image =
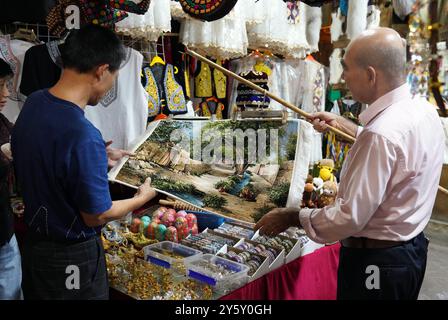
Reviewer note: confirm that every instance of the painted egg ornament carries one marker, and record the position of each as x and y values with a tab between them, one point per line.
191	219
151	231
160	232
181	223
181	213
171	234
159	213
135	225
194	230
168	218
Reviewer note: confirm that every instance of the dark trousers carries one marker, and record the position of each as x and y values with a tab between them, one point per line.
394	273
64	271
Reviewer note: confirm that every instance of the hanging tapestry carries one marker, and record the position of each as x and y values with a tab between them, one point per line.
237	169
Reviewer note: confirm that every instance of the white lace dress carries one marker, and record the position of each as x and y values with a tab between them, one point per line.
280	35
151	25
225	38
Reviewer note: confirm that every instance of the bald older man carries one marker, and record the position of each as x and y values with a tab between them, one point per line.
388	182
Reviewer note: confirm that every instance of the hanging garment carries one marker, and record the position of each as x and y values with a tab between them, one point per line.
313	25
336	69
13	52
209	107
220	82
445	128
150	25
166	95
373	17
282	37
248	97
225	38
337	19
121	116
403	8
42	68
356	18
203	87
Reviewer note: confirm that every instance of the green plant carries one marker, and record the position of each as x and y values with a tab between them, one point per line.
279	194
214	201
248	192
224	185
176	186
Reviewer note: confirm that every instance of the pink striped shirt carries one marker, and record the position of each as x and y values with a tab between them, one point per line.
390	177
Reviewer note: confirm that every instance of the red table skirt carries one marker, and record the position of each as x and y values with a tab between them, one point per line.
311	277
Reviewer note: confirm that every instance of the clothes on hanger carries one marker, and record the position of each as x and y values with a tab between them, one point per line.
251	98
336	69
42	67
210	107
149	26
203	87
356	18
13	52
225	38
166	95
121	116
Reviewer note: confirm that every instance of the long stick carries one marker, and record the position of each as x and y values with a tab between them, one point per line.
274	97
264	92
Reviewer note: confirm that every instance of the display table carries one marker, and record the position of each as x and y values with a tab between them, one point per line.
310	277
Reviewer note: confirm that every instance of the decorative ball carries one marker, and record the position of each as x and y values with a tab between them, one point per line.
181	213
194	230
181	224
191	219
159	213
168	218
160	232
135	225
156	220
171	234
151	230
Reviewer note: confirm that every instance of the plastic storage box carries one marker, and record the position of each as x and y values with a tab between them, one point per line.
221	274
170	255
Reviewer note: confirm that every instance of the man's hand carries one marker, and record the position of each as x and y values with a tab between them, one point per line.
278	220
145	191
321	120
115	155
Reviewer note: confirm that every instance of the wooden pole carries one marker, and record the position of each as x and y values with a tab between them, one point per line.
264	92
274	97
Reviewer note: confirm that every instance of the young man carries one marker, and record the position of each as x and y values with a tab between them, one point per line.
389	180
10	268
61	164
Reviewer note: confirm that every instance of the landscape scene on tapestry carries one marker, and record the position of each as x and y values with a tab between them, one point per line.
238	169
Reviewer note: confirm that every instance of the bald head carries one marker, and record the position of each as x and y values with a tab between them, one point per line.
384	50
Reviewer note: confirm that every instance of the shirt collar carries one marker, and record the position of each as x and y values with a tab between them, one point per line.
400	93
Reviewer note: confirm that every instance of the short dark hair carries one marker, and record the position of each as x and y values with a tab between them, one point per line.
91	46
5	69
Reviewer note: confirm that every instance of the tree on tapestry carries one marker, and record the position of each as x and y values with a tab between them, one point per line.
232	168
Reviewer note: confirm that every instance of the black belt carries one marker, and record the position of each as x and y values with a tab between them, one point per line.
366	243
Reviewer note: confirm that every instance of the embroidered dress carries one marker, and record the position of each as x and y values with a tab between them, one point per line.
281	36
225	38
150	25
121	116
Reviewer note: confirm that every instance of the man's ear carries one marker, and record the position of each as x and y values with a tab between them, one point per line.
101	71
371	74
